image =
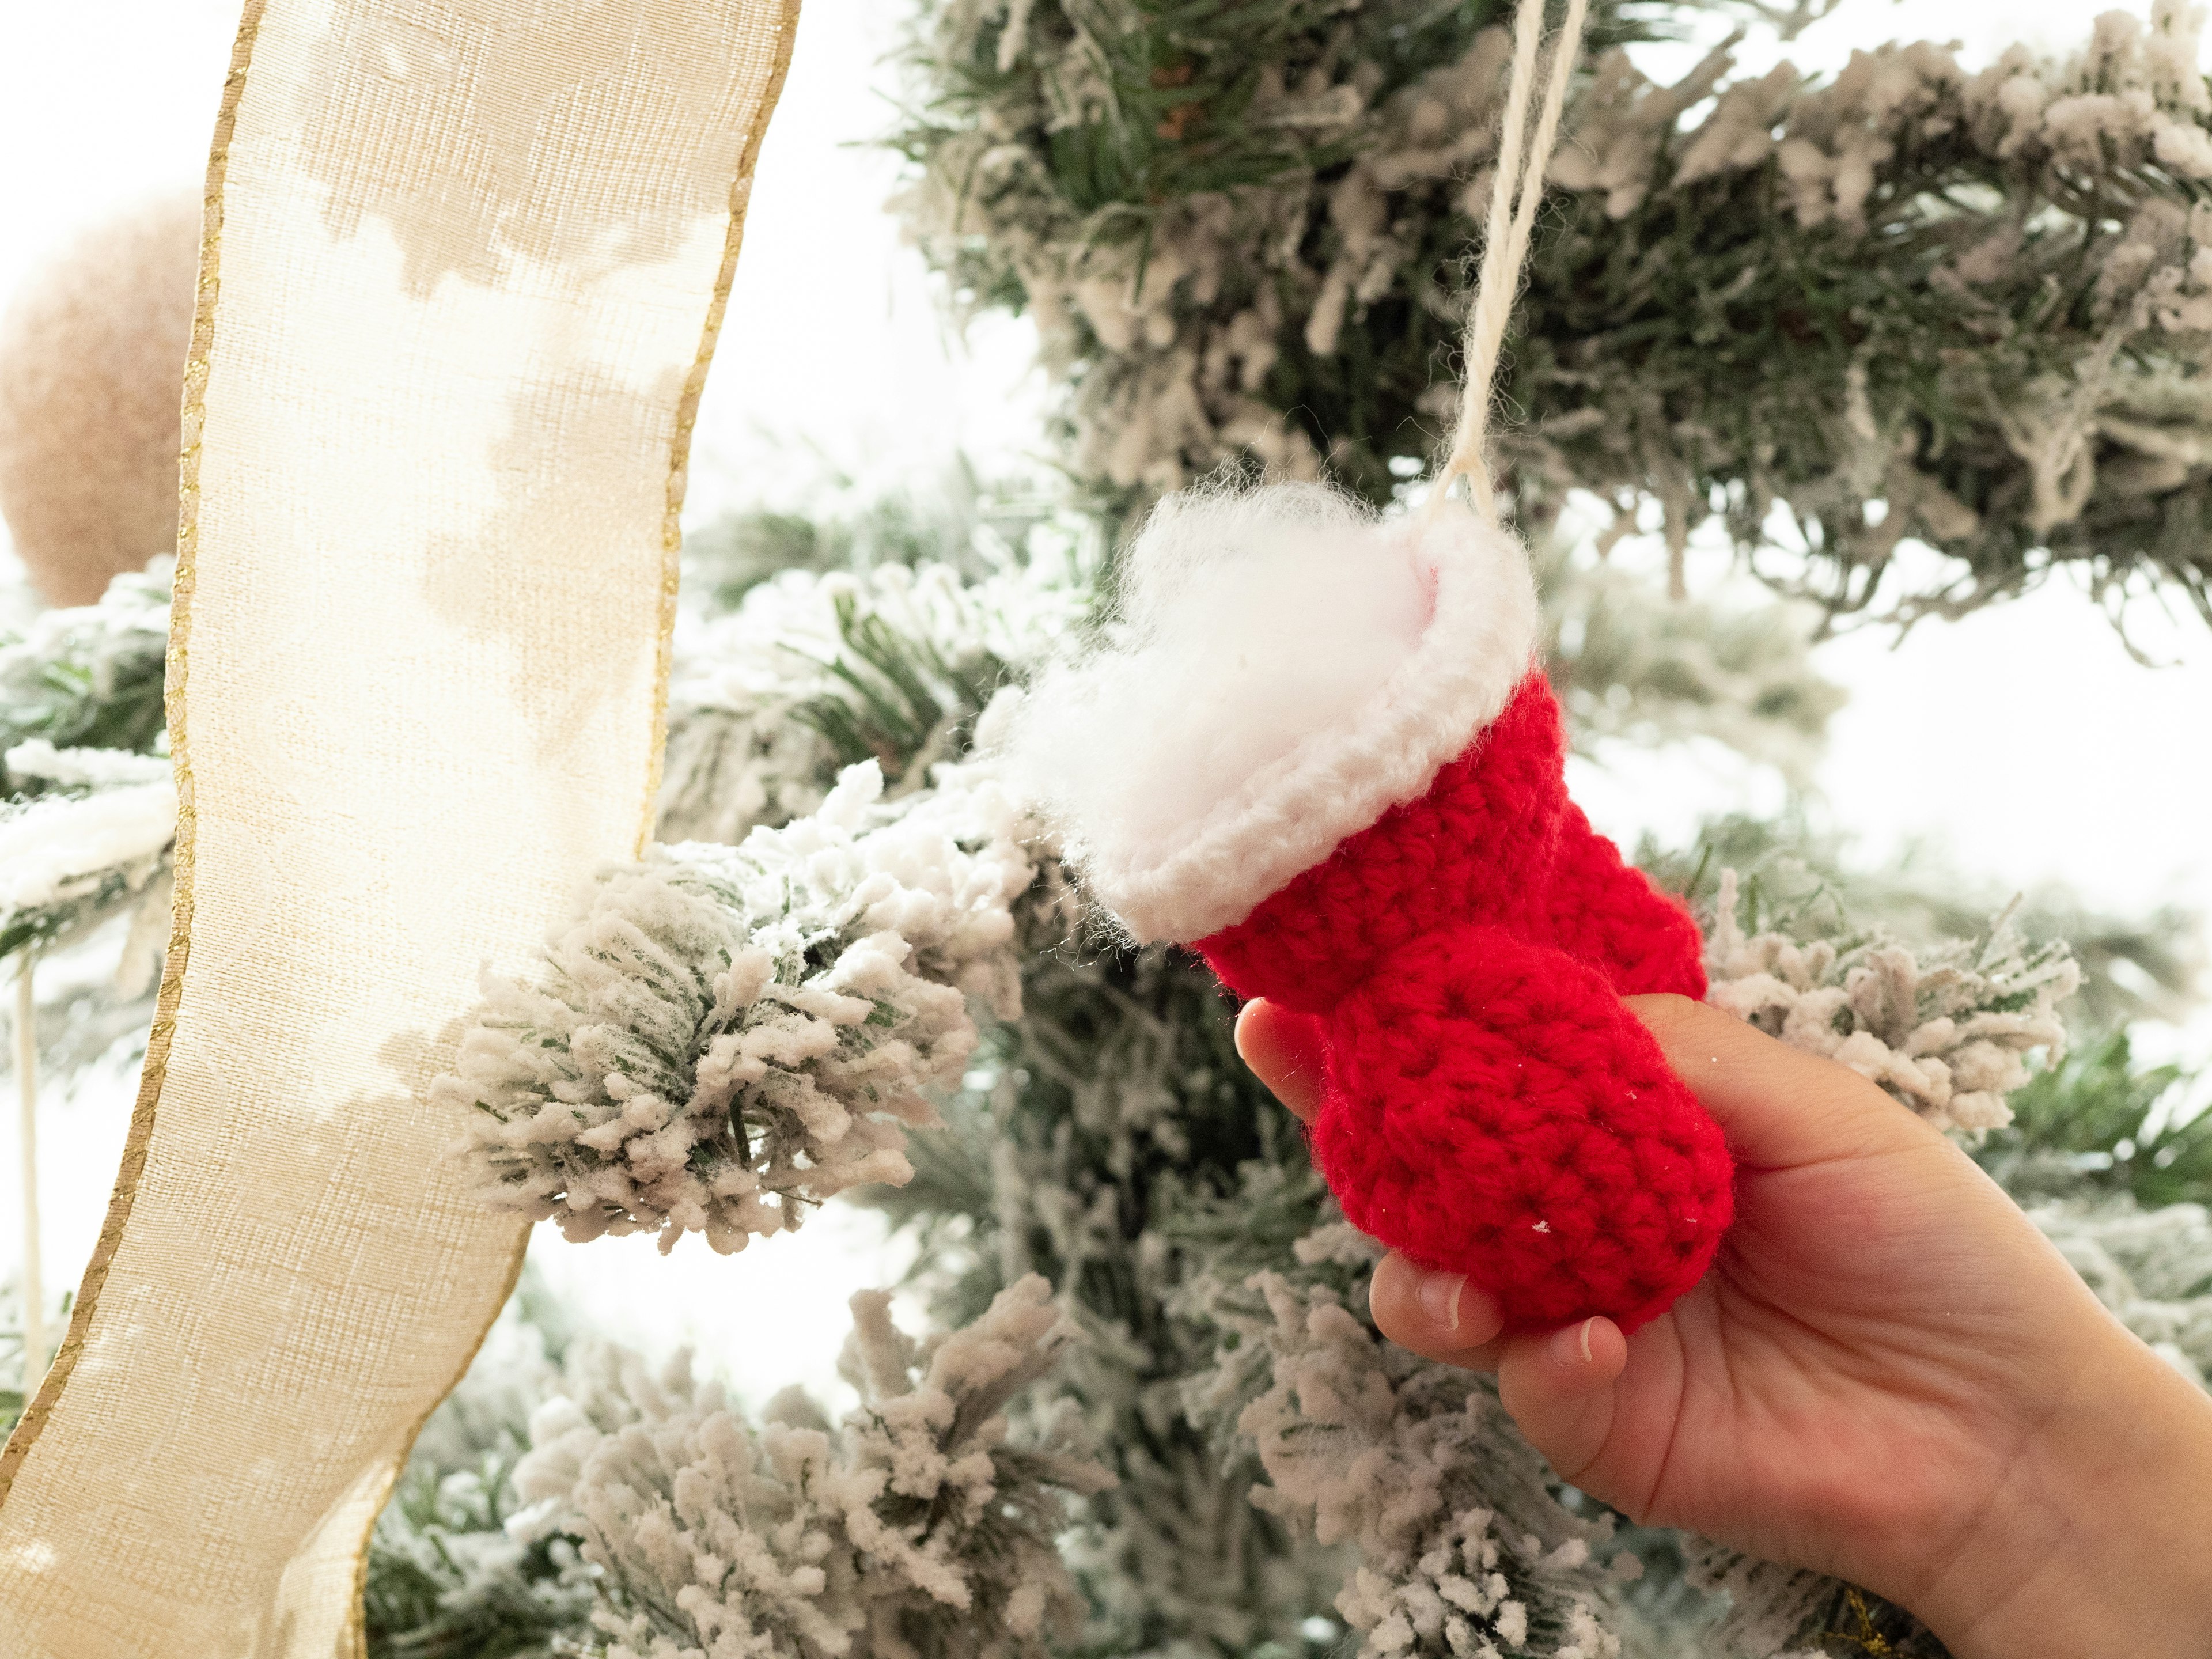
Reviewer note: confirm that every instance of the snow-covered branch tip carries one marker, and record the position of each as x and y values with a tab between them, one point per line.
812	670
1945	1029
1465	1550
917	1529
94	842
724	1035
88	676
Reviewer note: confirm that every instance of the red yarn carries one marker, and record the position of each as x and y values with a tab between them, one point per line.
1489	1105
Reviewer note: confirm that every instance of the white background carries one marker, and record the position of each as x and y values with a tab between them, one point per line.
2024	740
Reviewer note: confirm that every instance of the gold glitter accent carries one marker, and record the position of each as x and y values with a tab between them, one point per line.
158	1039
1867	1639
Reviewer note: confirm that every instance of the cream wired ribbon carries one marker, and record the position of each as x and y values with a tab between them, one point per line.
1516	188
458	295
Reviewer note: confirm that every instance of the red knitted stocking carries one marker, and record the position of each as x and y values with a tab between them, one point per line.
1606	912
1318	748
1490	1108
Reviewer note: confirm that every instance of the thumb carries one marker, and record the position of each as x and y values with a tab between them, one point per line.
1778	1106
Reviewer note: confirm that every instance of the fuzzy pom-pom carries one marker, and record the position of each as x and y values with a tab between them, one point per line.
92	367
1280	668
1247	619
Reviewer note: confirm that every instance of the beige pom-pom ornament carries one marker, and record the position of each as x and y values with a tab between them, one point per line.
92	364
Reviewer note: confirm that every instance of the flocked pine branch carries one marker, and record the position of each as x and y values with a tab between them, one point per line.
2101	1124
1946	1030
923	1527
88	676
825	519
87	807
811	672
1105	1065
92	843
724	1036
1967	307
444	1578
2134	966
1464	1546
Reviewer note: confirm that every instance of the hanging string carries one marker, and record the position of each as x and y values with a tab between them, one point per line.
1516	188
27	1084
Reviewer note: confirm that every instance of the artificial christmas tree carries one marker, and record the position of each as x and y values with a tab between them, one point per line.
1240	231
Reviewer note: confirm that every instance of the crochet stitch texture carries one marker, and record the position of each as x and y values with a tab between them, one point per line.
1489	1105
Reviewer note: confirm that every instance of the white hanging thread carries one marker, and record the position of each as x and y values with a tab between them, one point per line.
27	1084
1516	188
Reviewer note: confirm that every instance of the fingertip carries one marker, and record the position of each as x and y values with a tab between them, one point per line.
1572	1362
1250	1020
1591	1354
1559	1388
1277	1045
1436	1314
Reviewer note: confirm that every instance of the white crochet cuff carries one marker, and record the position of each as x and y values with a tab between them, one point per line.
1210	870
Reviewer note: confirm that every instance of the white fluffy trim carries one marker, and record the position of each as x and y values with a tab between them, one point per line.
1282	668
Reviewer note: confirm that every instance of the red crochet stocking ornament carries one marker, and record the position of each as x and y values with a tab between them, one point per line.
1316	745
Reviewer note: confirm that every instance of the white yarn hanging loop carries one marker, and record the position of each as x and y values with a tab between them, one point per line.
1515	189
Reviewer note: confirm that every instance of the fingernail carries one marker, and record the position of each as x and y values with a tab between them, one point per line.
1438	1294
1572	1346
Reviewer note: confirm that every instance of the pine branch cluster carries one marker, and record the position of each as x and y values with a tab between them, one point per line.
1099	1133
1947	1030
724	1036
921	1528
1814	885
90	676
811	671
445	1579
570	1498
1467	1547
2100	1125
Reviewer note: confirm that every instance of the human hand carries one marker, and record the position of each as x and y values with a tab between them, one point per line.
1887	1374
